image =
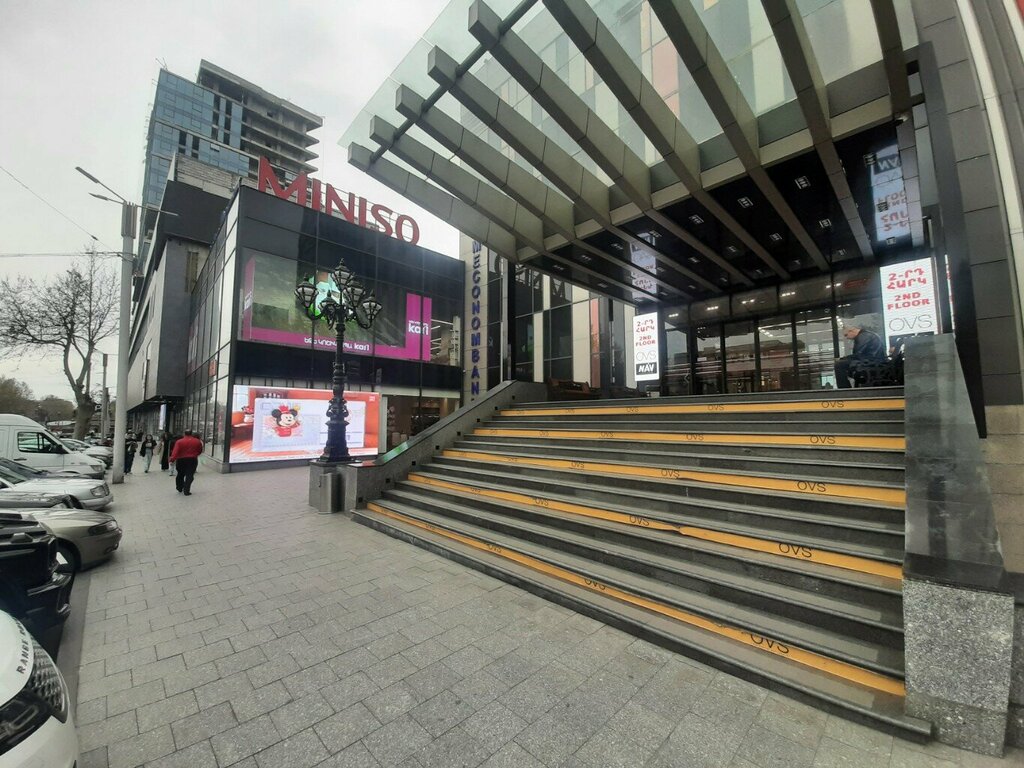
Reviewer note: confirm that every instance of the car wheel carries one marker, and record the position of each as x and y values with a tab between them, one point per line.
68	560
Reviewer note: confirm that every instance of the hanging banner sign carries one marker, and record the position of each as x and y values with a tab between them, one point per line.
908	300
645	347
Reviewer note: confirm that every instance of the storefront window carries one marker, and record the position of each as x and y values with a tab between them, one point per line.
775	345
816	352
709	360
740	357
677	361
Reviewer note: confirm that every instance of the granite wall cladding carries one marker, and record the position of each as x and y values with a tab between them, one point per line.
959	644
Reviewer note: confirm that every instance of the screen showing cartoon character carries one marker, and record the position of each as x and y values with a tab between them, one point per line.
278	423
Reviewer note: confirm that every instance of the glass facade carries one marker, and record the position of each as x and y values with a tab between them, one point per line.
190	120
248	329
565	332
784	338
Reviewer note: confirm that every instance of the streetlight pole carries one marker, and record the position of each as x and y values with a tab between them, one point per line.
355	303
129	218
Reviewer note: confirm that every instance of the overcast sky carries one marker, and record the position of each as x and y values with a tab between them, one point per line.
76	87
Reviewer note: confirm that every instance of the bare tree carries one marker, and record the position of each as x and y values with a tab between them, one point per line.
69	314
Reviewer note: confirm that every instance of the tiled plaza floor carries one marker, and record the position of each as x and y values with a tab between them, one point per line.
239	628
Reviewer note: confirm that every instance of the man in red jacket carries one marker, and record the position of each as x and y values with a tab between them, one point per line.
185	458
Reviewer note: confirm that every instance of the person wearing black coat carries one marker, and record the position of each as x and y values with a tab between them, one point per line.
867	348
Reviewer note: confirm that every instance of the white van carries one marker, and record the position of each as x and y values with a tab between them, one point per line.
22	439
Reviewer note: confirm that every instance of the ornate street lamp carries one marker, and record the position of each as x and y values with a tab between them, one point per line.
356	304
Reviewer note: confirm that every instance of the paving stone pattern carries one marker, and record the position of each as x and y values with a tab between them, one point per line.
239	628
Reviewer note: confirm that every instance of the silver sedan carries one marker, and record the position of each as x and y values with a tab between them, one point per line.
84	538
90	494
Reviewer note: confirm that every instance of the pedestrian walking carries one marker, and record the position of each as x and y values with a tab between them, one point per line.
130	446
146	450
163	448
185	456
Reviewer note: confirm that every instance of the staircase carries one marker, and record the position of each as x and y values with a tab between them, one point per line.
761	533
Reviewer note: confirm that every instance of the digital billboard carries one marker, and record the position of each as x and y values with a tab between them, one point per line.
270	312
287	423
645	347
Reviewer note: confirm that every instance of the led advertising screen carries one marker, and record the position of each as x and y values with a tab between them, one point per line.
908	300
286	423
272	314
645	347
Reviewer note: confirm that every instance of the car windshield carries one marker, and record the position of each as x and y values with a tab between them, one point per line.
22	470
10	477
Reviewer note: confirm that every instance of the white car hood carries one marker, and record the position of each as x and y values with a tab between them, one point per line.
58	484
16	657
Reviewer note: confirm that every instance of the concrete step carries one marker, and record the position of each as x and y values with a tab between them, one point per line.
829	408
810	484
882	424
861	449
819	395
665	493
808	537
700	457
678	619
651	553
854	650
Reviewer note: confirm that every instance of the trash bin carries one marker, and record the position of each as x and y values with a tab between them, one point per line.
330	492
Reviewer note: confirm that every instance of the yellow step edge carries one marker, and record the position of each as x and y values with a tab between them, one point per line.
811	659
894	497
816	406
705	438
781	548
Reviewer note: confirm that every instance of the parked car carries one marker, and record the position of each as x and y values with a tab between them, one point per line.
89	494
84	538
104	454
26	442
11	499
34	589
38	728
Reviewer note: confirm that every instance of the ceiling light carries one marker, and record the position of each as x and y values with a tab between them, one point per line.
731	249
710	309
745	202
694	259
696	219
802	182
673	315
584	258
775	237
784	294
825	223
602	285
841	252
617	246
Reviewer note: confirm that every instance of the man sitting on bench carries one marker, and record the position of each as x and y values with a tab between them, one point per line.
867	348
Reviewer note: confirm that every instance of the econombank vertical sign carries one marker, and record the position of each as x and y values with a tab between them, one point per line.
645	347
908	300
476	310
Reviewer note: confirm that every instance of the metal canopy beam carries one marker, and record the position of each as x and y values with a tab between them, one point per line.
722	93
560	168
624	167
484	198
554	211
480	196
434	200
811	94
649	111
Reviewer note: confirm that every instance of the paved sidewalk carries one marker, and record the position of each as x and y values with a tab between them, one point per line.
239	628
